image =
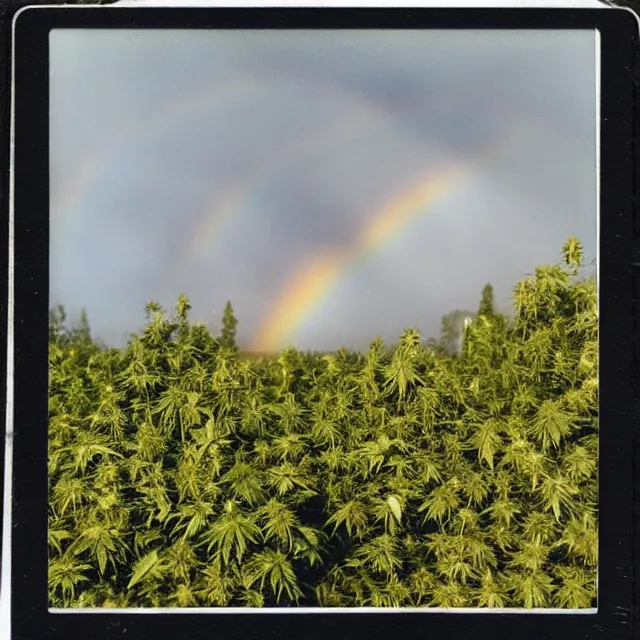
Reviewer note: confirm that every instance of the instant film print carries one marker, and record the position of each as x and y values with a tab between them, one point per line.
324	319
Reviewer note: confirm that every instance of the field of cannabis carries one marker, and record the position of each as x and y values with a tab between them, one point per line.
186	473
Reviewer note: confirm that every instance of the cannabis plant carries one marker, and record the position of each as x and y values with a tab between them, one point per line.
184	472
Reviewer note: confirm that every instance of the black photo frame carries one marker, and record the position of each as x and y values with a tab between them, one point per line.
619	549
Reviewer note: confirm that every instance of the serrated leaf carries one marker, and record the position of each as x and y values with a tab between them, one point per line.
396	508
143	567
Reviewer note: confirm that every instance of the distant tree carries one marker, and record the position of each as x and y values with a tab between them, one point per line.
229	327
83	330
451	330
57	318
79	336
487	302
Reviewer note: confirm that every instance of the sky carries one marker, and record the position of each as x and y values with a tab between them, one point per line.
335	186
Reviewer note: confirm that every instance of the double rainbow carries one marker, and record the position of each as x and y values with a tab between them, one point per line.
314	281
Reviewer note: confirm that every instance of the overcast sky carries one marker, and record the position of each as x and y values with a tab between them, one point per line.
334	186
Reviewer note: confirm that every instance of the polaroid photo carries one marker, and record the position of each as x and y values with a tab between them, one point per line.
321	311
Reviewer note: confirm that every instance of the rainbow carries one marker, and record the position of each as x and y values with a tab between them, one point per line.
365	117
241	87
221	208
96	162
312	284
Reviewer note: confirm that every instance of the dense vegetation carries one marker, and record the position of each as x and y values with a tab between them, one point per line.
186	473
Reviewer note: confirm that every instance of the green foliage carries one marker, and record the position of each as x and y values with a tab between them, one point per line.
487	302
185	473
229	328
